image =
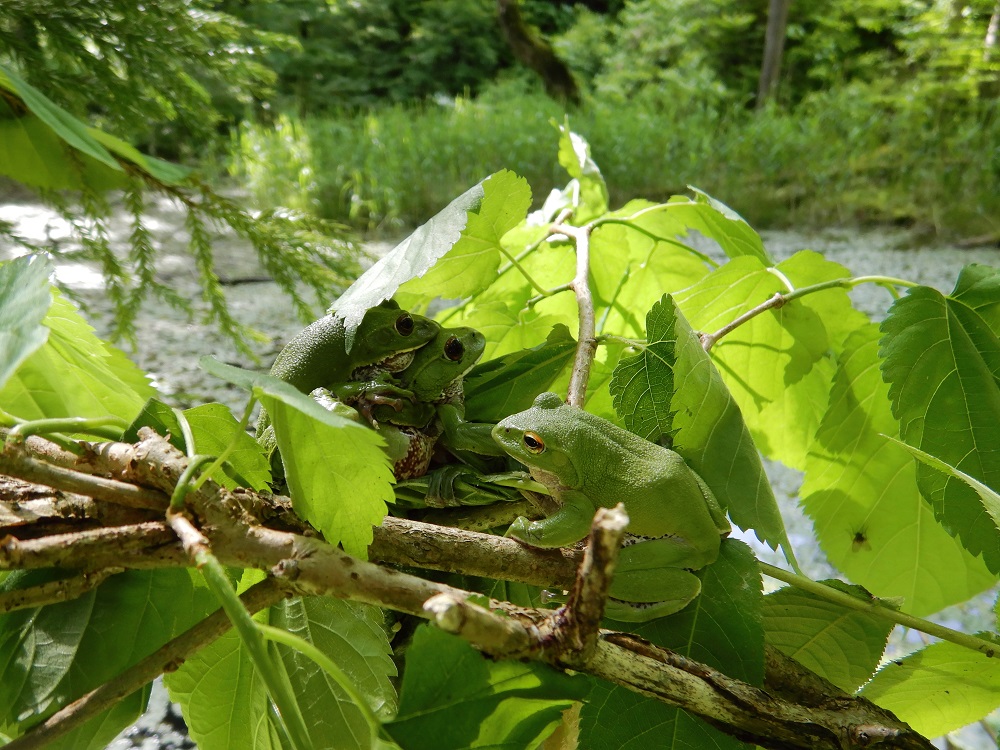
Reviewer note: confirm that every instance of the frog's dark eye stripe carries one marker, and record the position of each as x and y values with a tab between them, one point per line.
454	349
533	442
404	325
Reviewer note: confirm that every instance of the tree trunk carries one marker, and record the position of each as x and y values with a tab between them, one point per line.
992	32
774	47
536	54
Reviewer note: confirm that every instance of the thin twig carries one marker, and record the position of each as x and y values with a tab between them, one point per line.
14	462
586	343
708	340
53	592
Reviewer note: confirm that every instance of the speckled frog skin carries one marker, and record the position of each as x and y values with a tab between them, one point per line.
587	462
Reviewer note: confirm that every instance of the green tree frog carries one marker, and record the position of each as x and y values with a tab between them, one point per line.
676	524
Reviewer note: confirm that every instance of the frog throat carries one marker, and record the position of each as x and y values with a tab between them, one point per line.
394	363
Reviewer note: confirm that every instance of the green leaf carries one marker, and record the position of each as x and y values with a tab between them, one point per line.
353	635
587	194
223	698
75	374
455	254
508	384
24	302
721	628
940	688
779	364
978	288
98	732
675	218
452	697
213	427
671	388
50	656
67	127
841	645
861	493
338	475
942	362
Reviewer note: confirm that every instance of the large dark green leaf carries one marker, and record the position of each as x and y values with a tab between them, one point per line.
942	362
721	628
352	635
24	301
52	655
861	492
453	698
842	645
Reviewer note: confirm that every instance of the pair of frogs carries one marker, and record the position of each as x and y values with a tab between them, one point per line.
676	523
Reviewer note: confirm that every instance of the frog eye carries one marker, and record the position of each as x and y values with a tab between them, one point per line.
454	349
404	325
533	442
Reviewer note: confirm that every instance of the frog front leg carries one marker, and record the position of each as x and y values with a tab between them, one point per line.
568	525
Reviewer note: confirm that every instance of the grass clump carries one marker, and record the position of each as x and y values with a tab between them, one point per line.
843	157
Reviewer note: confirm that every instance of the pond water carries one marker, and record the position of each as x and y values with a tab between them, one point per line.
169	345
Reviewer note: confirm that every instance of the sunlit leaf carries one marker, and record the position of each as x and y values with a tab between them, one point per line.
586	194
939	688
721	628
841	645
338	475
75	374
861	492
454	254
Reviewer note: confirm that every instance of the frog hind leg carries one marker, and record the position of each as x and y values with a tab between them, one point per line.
677	588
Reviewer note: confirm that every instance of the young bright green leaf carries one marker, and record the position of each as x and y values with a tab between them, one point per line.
500	387
75	374
674	219
861	493
778	365
587	193
939	688
338	476
213	427
34	137
842	645
453	698
24	301
671	388
722	628
455	254
52	655
942	362
223	698
989	497
353	635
